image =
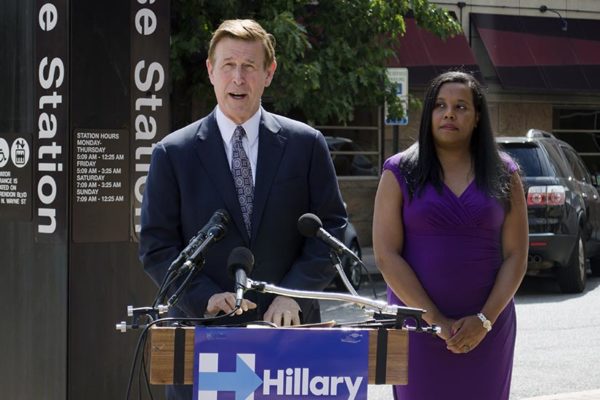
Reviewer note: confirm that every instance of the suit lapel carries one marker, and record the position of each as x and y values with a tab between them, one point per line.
270	150
212	155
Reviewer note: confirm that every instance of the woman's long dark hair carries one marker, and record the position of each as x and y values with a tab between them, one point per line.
420	162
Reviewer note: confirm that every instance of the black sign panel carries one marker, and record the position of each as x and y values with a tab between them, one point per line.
51	119
15	177
100	185
149	92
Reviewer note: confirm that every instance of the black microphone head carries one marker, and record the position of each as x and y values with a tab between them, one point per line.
222	215
240	257
217	231
309	224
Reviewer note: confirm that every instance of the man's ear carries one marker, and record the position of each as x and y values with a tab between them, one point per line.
270	73
209	68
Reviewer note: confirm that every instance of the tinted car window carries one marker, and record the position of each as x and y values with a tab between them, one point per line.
559	162
577	165
527	157
577	172
586	174
351	163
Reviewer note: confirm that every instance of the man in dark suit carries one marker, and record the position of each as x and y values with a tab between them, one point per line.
282	168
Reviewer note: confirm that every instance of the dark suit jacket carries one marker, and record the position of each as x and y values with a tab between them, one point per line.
190	178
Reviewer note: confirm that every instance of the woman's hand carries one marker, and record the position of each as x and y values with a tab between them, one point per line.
445	324
468	333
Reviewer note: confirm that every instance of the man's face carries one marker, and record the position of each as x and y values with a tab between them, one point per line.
239	77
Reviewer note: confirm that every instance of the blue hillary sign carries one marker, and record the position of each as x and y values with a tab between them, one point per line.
253	364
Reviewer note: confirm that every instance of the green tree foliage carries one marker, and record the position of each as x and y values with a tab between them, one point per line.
331	54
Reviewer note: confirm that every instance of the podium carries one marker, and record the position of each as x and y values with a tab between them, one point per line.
170	353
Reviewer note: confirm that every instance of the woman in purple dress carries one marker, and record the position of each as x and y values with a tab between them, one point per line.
450	236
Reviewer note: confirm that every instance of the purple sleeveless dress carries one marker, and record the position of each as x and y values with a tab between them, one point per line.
453	243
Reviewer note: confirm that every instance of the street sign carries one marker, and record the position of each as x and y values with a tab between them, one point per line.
399	76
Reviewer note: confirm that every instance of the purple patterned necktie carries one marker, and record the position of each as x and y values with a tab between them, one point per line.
242	176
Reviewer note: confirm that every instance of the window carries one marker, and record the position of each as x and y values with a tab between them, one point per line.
580	127
355	147
578	169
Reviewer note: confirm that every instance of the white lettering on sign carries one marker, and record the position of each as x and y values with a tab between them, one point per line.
149	96
298	382
48	17
50	76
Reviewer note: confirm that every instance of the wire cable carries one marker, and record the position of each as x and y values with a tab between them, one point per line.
142	342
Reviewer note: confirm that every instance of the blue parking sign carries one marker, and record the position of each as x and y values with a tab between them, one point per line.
398	76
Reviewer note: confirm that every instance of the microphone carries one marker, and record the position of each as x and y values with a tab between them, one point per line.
310	225
212	232
239	266
215	225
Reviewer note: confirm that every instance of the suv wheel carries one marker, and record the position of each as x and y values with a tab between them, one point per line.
352	269
572	277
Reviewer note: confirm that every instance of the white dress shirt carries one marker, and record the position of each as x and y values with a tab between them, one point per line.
249	142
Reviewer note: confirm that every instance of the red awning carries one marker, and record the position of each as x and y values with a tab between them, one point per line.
426	55
535	53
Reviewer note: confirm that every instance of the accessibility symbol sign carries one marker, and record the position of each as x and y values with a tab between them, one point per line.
4	152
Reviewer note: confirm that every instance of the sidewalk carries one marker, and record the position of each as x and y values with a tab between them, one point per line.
587	395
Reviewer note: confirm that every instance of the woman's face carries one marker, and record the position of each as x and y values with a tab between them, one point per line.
454	116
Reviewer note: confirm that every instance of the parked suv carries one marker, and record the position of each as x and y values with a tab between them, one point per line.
563	208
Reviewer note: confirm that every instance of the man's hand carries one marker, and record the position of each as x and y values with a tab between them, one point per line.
283	311
225	302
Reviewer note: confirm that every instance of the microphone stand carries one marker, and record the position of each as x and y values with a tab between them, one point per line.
193	268
337	263
386	314
194	263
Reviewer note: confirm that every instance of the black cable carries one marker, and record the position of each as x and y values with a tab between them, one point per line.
163	287
142	340
370	279
134	363
139	383
145	372
169	279
175	296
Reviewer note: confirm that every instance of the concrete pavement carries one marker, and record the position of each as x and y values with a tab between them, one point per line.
587	395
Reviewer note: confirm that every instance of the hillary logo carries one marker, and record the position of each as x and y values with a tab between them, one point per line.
244	381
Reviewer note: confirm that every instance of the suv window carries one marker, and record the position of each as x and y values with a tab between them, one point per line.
577	172
558	161
528	158
578	169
